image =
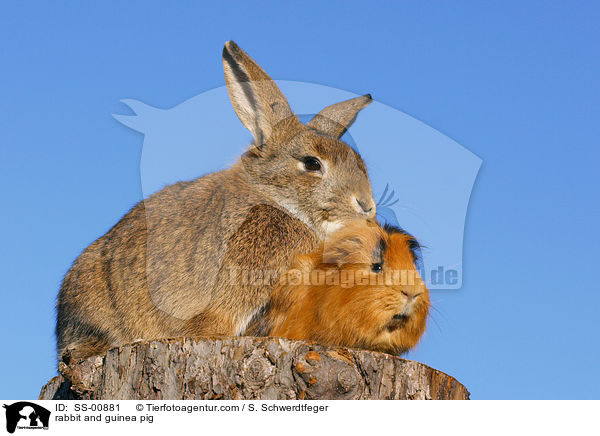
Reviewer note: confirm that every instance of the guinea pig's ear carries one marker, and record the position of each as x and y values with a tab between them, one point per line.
334	120
350	248
338	253
257	100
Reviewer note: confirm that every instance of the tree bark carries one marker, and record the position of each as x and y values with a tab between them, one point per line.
247	368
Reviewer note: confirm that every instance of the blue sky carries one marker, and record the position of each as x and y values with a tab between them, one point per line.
516	83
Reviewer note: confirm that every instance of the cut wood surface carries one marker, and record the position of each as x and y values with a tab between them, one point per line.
247	368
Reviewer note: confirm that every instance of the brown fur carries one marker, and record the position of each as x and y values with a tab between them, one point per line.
338	311
168	267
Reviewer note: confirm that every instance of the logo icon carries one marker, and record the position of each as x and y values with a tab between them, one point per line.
26	415
422	178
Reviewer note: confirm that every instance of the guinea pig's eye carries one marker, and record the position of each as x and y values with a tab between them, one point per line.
376	267
311	164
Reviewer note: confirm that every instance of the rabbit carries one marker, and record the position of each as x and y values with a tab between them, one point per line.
175	264
360	290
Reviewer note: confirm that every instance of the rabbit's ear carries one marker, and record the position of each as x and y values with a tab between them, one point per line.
334	120
257	100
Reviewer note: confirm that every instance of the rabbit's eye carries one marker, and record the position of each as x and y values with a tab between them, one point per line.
311	164
376	267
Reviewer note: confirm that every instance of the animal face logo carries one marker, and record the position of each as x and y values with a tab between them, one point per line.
26	415
421	178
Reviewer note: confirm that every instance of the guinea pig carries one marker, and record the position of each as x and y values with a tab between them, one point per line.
360	290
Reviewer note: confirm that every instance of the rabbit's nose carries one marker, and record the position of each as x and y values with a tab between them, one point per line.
365	206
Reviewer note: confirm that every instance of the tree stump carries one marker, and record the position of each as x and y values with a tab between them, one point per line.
247	368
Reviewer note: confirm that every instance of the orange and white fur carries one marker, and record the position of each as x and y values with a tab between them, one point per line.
360	290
